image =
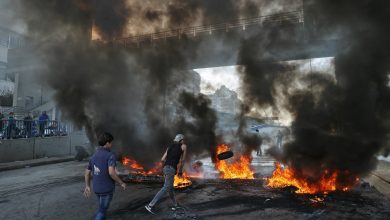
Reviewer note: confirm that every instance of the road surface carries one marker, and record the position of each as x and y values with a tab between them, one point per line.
55	192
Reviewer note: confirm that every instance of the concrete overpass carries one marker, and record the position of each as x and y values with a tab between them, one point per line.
219	44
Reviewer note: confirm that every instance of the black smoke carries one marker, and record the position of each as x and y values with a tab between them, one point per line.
262	73
250	142
110	17
201	131
341	124
130	93
349	125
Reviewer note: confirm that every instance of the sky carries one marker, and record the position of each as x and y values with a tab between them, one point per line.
213	78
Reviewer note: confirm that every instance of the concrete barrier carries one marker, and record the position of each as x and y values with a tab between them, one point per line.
18	149
52	147
33	148
78	139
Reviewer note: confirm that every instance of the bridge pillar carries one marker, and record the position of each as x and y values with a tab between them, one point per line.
16	88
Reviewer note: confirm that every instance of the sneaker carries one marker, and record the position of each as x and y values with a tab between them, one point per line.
175	207
149	209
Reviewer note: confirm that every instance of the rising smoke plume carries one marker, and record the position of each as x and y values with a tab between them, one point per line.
349	124
338	125
125	92
261	74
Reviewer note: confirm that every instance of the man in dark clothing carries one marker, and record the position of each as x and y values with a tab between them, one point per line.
11	126
102	167
279	138
173	156
43	119
28	125
1	122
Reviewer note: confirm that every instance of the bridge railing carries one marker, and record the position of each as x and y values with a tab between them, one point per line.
294	17
13	129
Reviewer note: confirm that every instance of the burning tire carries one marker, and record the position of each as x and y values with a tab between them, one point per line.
225	155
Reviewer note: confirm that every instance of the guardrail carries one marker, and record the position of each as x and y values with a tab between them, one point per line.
293	17
12	128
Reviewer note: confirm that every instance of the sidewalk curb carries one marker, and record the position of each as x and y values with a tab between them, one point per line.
22	164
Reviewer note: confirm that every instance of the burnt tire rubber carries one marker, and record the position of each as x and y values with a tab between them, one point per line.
225	155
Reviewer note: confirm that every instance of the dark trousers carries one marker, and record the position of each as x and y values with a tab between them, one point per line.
10	131
28	130
41	129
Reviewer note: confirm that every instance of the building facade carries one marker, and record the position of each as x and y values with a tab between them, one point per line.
225	100
19	81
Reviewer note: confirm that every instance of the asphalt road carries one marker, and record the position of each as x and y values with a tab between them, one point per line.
55	192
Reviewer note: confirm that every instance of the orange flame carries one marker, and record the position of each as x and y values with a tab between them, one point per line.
287	177
132	163
95	34
317	200
181	182
239	169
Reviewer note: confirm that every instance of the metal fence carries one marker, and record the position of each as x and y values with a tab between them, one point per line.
293	17
13	128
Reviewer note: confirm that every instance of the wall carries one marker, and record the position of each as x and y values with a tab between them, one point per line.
32	148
